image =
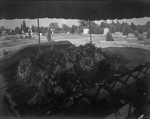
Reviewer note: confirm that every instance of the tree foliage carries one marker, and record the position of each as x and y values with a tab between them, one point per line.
95	28
122	25
136	33
118	27
126	29
18	30
24	27
65	28
147	26
133	26
103	25
112	29
83	23
34	28
54	26
113	23
100	30
1	29
49	35
140	30
148	34
73	29
109	37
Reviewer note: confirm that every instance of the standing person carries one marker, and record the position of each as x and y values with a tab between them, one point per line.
49	32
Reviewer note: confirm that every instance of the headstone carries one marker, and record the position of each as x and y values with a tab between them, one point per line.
86	31
106	30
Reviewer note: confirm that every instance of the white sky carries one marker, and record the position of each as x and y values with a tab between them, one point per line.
45	22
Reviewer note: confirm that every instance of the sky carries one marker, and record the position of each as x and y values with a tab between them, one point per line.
46	21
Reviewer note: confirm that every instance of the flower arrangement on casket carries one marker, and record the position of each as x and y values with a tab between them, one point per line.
59	73
24	70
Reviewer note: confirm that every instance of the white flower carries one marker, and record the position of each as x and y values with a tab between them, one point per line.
57	69
86	63
99	57
58	90
69	65
24	69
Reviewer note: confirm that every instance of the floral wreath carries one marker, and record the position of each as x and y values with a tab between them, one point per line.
86	63
24	70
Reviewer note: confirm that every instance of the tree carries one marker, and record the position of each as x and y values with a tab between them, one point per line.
54	26
136	33
112	29
23	26
100	30
65	28
93	27
17	30
11	32
133	26
109	37
1	29
43	29
83	23
126	29
49	35
73	29
122	25
27	28
140	30
103	25
148	34
111	24
34	28
118	27
147	26
7	30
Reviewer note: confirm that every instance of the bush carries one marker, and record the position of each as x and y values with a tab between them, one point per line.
29	33
49	35
140	38
5	52
112	29
21	37
126	29
43	34
109	37
26	37
100	31
12	33
5	43
148	34
136	33
140	30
